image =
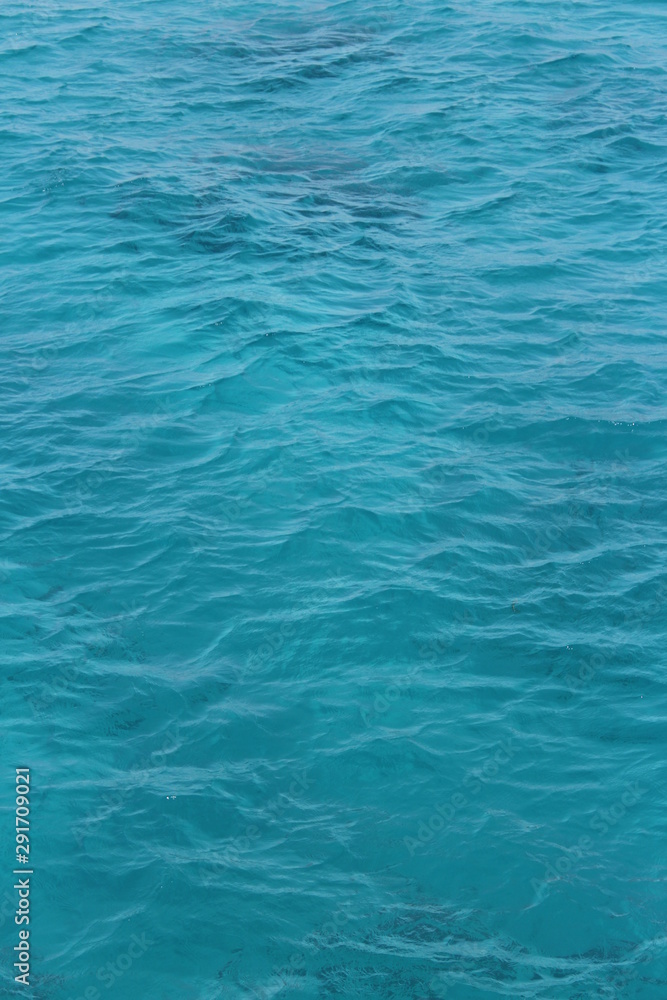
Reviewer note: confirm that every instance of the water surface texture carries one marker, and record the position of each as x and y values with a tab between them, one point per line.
333	497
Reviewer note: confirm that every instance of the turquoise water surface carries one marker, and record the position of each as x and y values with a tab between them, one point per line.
333	523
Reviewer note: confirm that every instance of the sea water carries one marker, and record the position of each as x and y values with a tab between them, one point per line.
333	498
